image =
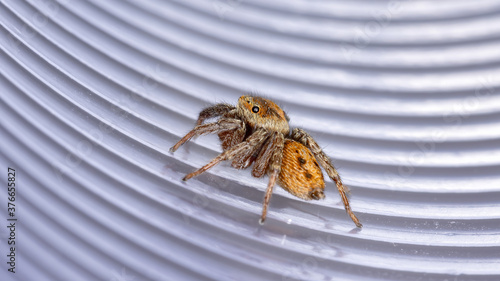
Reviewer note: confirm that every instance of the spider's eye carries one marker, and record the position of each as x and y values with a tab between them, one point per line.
255	109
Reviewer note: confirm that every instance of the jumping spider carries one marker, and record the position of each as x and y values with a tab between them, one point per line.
257	131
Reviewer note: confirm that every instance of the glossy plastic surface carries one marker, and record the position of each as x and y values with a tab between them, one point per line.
403	95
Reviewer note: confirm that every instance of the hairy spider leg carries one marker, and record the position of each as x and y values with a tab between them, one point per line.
264	156
306	139
214	111
246	157
274	168
251	141
222	124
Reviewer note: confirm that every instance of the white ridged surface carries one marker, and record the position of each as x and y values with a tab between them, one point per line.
93	93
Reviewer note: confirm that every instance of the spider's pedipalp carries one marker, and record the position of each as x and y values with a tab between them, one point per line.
251	141
232	137
245	158
262	161
224	124
306	139
257	131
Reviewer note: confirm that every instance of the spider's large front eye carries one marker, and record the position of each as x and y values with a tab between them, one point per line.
255	109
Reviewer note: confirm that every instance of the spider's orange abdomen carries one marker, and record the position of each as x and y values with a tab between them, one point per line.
300	173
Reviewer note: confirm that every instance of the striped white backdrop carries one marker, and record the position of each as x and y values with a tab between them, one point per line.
403	95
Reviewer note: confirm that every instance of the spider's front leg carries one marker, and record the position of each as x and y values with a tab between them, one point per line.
270	157
306	139
257	137
224	124
214	111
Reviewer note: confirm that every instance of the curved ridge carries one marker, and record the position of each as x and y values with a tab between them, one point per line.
94	93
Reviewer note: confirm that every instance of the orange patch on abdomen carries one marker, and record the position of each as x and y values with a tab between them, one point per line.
300	173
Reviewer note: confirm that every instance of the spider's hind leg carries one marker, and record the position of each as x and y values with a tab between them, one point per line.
306	139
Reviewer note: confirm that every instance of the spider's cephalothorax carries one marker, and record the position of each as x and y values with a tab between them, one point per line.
262	113
257	132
